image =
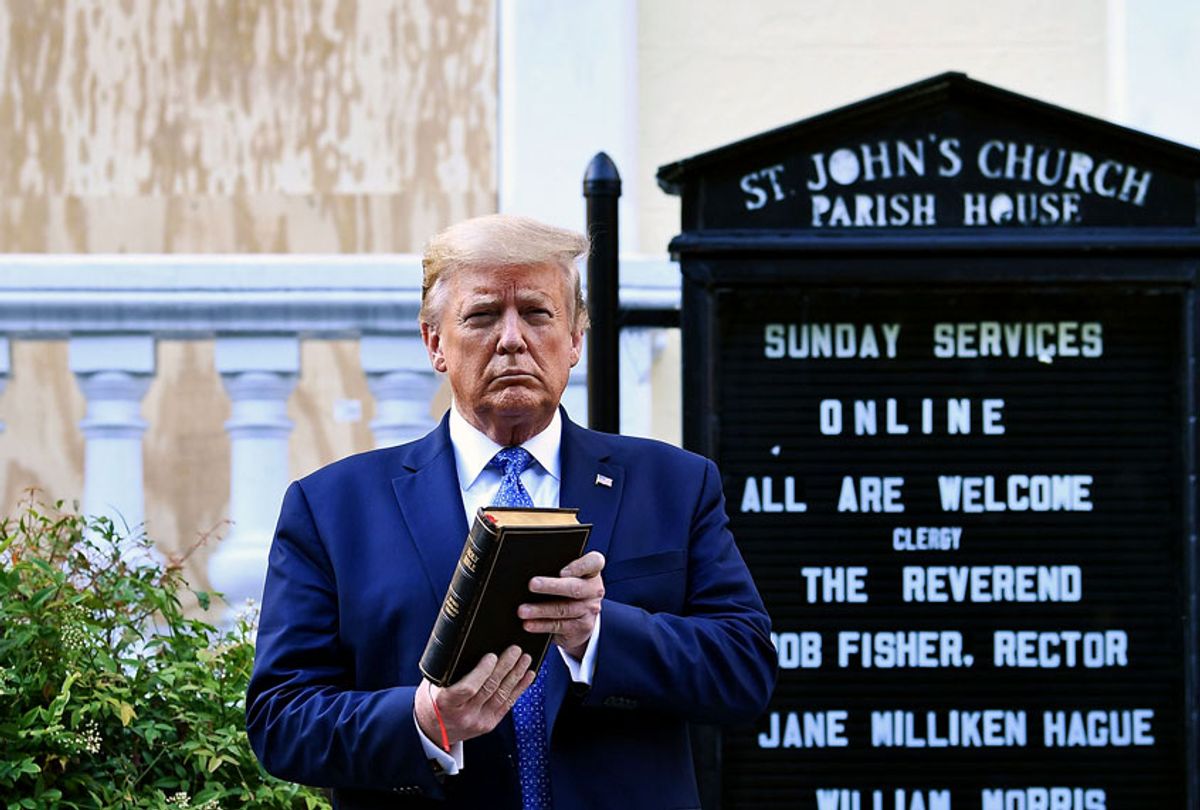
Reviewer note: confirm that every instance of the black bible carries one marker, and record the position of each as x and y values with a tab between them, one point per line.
505	548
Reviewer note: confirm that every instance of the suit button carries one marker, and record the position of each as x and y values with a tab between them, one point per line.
616	702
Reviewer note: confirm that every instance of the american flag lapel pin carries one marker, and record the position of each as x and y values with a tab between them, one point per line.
603	481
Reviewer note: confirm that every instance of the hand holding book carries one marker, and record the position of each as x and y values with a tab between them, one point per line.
570	616
477	702
519	579
505	551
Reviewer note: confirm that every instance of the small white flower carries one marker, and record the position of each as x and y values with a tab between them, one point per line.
90	739
181	798
72	638
248	612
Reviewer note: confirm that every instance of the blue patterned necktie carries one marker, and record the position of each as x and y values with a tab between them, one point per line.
529	713
512	461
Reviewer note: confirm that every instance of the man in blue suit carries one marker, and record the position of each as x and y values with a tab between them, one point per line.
657	625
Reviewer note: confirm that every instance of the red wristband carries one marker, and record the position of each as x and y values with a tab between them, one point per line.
437	713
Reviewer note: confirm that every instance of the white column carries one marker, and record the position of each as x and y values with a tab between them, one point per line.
259	375
113	373
575	397
5	367
567	90
639	348
403	384
1152	57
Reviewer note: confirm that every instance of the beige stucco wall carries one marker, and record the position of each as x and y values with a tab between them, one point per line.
185	454
712	72
41	448
214	126
242	125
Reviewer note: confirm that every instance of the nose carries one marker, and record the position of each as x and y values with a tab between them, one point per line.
512	335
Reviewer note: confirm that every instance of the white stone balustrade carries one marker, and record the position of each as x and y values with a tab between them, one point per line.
259	374
402	382
114	308
113	373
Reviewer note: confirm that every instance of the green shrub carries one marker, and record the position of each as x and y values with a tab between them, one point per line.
110	695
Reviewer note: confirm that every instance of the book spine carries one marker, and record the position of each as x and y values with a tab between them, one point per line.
441	652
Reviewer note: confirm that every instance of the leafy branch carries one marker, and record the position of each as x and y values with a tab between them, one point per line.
111	695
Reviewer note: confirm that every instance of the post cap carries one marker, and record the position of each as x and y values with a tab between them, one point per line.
601	177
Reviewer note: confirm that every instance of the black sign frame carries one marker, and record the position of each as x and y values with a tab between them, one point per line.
721	272
721	256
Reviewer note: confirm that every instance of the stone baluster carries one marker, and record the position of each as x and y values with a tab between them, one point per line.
403	384
114	373
259	375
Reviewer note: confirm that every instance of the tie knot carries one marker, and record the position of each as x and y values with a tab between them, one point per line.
513	460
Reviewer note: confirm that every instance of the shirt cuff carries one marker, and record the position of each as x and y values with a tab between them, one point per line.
583	669
450	763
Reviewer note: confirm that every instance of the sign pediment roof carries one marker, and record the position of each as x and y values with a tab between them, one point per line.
945	153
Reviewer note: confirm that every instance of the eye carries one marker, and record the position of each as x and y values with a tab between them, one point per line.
539	314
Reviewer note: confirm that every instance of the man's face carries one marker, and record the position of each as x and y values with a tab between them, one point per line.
506	340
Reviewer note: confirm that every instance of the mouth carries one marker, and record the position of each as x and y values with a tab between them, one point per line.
513	376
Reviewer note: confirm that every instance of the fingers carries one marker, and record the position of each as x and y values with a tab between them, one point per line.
465	687
526	681
571	617
475	703
561	627
558	609
591	587
511	687
573	614
589	565
566	619
499	682
478	685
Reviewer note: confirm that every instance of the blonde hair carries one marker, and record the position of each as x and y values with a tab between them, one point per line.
500	240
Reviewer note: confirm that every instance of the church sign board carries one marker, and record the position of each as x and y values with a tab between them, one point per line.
942	345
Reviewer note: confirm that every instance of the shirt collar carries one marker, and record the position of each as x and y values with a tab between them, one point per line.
473	449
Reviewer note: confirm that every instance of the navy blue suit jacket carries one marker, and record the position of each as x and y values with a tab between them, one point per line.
362	556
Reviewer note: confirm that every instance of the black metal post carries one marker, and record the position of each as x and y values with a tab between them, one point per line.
602	189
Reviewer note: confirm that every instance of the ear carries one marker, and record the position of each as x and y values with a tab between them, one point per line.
433	345
576	347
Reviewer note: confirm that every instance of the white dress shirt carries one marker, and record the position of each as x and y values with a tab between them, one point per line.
479	485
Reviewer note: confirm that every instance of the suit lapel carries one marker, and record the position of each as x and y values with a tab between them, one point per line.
594	485
590	483
432	506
